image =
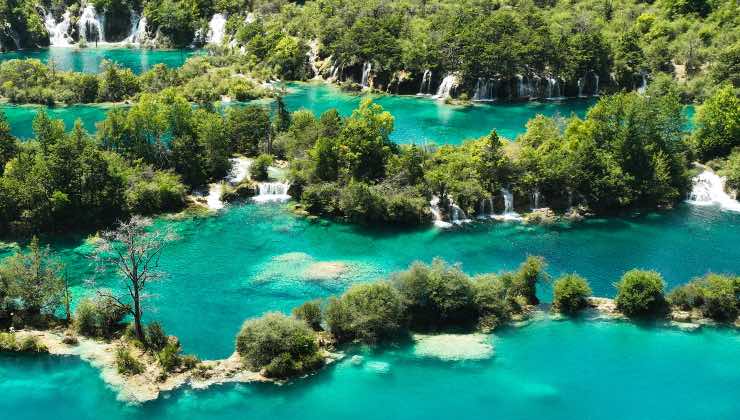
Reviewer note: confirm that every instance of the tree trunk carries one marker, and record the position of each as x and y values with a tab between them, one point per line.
137	318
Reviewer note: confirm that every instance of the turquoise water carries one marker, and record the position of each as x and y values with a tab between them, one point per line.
88	59
553	370
423	120
256	258
21	117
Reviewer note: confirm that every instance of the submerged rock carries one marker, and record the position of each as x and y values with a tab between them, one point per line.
453	347
378	367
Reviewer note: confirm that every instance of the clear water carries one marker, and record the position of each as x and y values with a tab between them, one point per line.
553	370
88	59
255	258
21	117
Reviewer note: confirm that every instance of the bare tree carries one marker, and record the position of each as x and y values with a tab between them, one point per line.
133	249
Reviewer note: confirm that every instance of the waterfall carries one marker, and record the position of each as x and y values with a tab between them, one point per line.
437	213
596	85
272	191
91	25
580	86
643	86
457	215
216	29
519	85
58	32
486	203
426	83
137	34
366	74
313	55
509	213
485	90
708	189
553	88
10	32
536	198
446	86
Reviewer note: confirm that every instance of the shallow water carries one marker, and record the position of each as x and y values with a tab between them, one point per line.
554	370
256	258
88	60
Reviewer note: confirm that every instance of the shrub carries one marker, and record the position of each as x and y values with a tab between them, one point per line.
99	317
687	296
156	339
169	356
362	204
190	361
530	272
366	312
491	301
258	170
126	363
31	344
310	312
640	293
273	336
436	295
720	297
321	199
570	294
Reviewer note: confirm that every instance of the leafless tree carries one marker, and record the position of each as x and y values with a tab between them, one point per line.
133	249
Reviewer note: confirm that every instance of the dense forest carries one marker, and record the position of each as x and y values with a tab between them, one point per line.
481	49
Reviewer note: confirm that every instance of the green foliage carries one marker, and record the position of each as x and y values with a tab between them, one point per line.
169	356
248	128
436	294
531	272
717	124
731	170
366	312
99	317
283	346
640	293
156	339
258	170
126	363
29	344
309	312
717	296
570	294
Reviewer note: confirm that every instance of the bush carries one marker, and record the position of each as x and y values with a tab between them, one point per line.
190	361
276	337
169	356
720	297
366	312
29	344
310	312
126	363
99	317
436	295
570	294
322	199
687	296
530	272
640	293
258	170
156	339
491	301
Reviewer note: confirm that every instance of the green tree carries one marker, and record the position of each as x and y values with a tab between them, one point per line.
640	293
570	294
717	124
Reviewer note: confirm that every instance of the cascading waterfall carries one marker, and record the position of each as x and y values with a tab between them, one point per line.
58	32
536	196
485	90
138	34
91	25
457	215
272	191
596	85
553	88
426	83
581	82
437	213
519	85
446	86
509	213
708	189
485	208
216	29
12	34
643	86
313	55
366	68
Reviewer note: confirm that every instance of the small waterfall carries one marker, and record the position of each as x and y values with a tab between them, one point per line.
91	25
485	90
643	86
216	29
437	213
12	34
138	34
58	32
313	55
519	85
272	191
536	196
366	74
446	86
553	88
485	209
581	82
509	213
426	83
708	189
596	85
457	215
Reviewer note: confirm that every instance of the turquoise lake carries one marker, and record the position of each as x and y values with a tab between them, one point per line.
249	259
88	59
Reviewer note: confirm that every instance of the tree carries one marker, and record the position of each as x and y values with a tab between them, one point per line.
717	124
133	250
570	294
366	312
8	143
640	293
248	128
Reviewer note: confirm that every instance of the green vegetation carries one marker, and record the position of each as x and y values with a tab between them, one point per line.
280	345
640	294
570	294
716	296
717	124
366	312
98	317
310	313
126	363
